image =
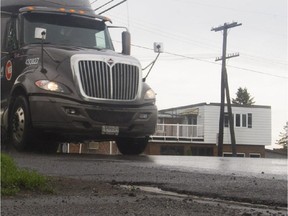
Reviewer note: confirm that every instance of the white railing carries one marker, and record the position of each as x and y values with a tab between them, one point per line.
178	132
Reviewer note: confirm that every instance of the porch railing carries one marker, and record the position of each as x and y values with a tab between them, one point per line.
183	132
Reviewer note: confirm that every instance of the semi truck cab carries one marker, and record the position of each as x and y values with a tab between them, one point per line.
62	81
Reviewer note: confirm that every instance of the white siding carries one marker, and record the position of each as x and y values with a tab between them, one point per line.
208	117
259	134
201	116
211	123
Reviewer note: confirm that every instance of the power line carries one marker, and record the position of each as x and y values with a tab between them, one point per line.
212	62
265	60
202	44
146	27
259	72
175	54
103	5
249	11
152	28
112	6
93	2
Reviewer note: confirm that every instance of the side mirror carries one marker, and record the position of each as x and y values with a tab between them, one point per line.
126	43
40	33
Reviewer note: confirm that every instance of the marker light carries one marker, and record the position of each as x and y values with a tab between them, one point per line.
30	8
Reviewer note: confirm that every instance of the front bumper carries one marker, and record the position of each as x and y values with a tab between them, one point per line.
71	118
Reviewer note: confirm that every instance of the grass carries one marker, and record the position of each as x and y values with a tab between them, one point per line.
14	179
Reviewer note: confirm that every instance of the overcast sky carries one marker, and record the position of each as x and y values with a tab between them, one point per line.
187	72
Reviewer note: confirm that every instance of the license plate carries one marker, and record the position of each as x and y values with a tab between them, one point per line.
110	130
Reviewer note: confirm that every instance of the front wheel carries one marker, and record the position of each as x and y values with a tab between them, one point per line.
23	137
20	125
131	146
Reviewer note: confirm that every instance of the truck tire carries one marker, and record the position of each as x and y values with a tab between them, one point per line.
131	146
22	136
20	124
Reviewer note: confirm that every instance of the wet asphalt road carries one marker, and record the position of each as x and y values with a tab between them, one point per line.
252	180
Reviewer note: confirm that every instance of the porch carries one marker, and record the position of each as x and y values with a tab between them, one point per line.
178	133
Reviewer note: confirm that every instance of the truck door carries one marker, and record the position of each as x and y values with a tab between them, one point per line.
9	46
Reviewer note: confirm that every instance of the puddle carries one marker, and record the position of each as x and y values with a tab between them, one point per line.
261	209
155	190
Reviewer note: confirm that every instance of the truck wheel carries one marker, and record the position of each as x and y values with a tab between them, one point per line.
131	146
20	125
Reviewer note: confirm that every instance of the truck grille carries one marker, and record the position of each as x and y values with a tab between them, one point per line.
117	82
111	117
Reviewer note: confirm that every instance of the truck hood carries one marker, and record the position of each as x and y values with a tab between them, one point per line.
60	54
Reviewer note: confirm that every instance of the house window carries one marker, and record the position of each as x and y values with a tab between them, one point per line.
238	120
249	120
255	155
172	150
226	120
244	120
229	154
202	151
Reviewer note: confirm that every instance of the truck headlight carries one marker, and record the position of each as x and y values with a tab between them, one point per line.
52	86
150	95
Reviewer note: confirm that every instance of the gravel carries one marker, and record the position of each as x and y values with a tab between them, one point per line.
93	185
78	197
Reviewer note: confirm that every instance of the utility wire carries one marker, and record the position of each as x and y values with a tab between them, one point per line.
112	7
212	62
144	26
93	2
103	5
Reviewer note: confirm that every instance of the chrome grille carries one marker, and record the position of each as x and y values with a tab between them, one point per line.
117	82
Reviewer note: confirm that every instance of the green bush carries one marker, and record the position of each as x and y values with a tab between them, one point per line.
14	179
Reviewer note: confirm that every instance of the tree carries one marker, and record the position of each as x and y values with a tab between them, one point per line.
283	141
243	97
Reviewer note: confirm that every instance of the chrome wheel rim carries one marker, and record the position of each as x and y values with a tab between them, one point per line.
18	124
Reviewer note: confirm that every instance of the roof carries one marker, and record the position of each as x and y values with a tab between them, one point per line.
61	10
15	5
79	7
213	104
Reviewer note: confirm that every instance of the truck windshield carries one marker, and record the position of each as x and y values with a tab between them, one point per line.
67	30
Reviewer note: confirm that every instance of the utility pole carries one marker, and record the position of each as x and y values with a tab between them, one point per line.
225	86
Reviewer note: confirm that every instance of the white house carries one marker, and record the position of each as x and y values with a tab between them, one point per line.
193	129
